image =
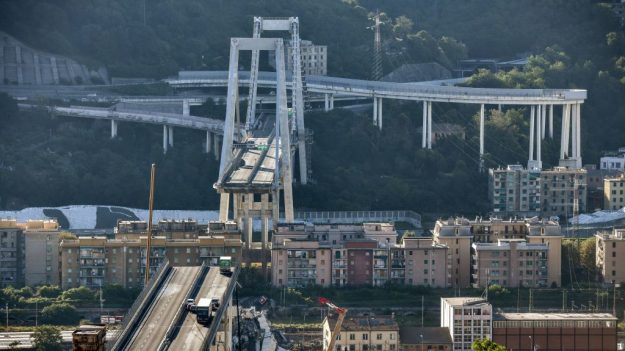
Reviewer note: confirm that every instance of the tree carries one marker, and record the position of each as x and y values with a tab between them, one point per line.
51	291
78	294
587	249
60	314
47	338
486	345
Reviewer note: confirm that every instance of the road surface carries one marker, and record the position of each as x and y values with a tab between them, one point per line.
157	320
192	334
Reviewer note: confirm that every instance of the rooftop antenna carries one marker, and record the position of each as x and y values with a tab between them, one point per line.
149	241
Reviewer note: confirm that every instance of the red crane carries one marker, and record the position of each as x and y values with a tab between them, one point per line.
337	328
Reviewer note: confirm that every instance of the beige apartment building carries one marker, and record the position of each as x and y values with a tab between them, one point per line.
95	261
29	253
363	333
354	254
458	234
511	263
41	239
614	193
609	255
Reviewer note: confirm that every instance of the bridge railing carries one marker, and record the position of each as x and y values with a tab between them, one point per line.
212	331
130	317
359	216
180	315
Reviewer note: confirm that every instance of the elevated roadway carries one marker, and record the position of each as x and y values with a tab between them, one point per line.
191	335
436	91
152	330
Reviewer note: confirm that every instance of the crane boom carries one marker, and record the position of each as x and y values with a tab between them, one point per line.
339	321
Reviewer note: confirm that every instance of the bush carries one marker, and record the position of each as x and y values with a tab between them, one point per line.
51	291
47	338
79	294
60	314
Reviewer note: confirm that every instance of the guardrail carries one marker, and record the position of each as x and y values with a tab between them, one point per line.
343	217
212	331
180	315
130	319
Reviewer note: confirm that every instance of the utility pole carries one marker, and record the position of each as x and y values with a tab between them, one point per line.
422	306
6	308
149	241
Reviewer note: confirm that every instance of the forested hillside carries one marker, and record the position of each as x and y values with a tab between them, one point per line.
574	43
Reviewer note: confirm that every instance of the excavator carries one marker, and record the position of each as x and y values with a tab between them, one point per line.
339	321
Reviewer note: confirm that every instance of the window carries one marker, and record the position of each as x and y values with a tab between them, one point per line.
379	336
365	336
352	336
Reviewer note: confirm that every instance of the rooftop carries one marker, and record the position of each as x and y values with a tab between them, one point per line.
464	301
359	323
431	335
533	316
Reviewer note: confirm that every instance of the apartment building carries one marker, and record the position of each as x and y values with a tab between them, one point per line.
354	254
564	191
514	190
511	263
173	229
456	235
41	245
419	261
614	192
613	160
530	192
363	333
610	250
314	58
12	254
95	261
467	318
460	233
555	331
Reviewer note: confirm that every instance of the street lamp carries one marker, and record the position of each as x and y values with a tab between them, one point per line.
532	339
421	336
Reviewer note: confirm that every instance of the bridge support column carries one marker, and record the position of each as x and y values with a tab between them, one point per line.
380	113
165	138
275	204
171	136
327	102
424	128
207	145
375	111
331	101
579	135
543	117
531	138
186	110
481	138
216	146
113	129
551	121
540	134
429	140
224	204
264	205
564	135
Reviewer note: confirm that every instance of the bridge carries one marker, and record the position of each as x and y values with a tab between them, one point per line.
159	319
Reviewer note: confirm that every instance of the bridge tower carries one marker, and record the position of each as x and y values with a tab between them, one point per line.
256	170
290	24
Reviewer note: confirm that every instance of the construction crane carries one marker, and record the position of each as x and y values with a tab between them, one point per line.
339	321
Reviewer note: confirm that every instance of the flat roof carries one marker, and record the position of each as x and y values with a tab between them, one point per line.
431	335
358	323
461	301
533	316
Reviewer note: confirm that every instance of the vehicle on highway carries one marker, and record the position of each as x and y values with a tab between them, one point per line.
205	310
190	305
225	265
